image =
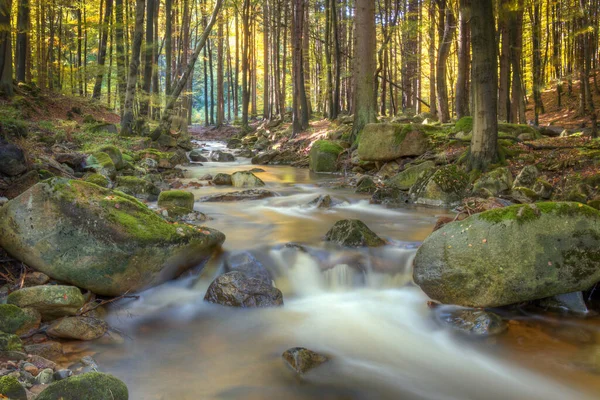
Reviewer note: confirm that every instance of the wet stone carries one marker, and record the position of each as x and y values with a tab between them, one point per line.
303	360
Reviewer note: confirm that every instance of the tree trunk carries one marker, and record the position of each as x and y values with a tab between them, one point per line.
365	102
504	81
168	45
484	143
120	39
6	61
22	39
432	91
134	64
464	60
266	104
102	50
165	121
245	62
148	59
517	102
443	53
220	89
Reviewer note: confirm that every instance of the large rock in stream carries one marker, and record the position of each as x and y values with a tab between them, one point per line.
510	255
98	239
387	142
236	289
89	386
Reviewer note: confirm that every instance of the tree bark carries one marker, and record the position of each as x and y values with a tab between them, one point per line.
220	86
148	59
504	81
22	39
365	63
484	144
443	53
120	39
134	64
464	60
6	61
102	50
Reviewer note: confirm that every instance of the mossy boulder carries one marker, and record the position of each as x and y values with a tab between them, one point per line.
444	187
525	195
323	156
465	125
115	155
89	386
101	240
527	177
13	319
353	233
245	179
366	185
78	328
512	254
165	160
407	178
137	187
11	389
12	160
220	156
197	156
494	182
97	179
222	180
105	127
387	142
10	342
176	198
102	164
51	301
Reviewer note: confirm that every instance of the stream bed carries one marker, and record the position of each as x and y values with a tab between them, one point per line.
359	307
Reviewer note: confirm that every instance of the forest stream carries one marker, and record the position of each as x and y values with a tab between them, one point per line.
358	307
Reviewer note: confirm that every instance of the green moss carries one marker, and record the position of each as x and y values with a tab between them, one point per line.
89	386
11	388
465	124
126	211
13	126
97	179
12	317
45	174
451	179
327	146
527	212
103	159
176	198
153	154
10	342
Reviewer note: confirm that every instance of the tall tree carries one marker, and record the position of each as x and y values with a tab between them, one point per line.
22	49
102	50
484	144
464	59
148	58
443	53
120	39
127	120
6	60
365	64
300	110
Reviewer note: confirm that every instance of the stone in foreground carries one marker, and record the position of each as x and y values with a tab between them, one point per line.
510	255
303	360
52	301
89	386
10	388
98	239
353	233
474	322
236	289
16	320
78	328
324	156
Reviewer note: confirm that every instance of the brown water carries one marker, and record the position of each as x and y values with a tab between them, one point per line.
357	306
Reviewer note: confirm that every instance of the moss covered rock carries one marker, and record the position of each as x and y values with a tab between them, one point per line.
137	187
510	255
13	319
366	185
89	386
101	240
97	179
78	328
527	177
323	156
525	195
407	178
353	233
176	198
222	180
386	142
197	156
51	301
102	164
245	179
10	388
115	155
10	342
494	182
444	187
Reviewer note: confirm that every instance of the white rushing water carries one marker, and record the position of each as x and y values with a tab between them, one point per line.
358	307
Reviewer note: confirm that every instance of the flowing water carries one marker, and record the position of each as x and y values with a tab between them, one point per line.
359	307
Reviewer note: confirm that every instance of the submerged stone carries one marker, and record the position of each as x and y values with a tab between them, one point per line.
474	322
567	302
302	360
353	233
